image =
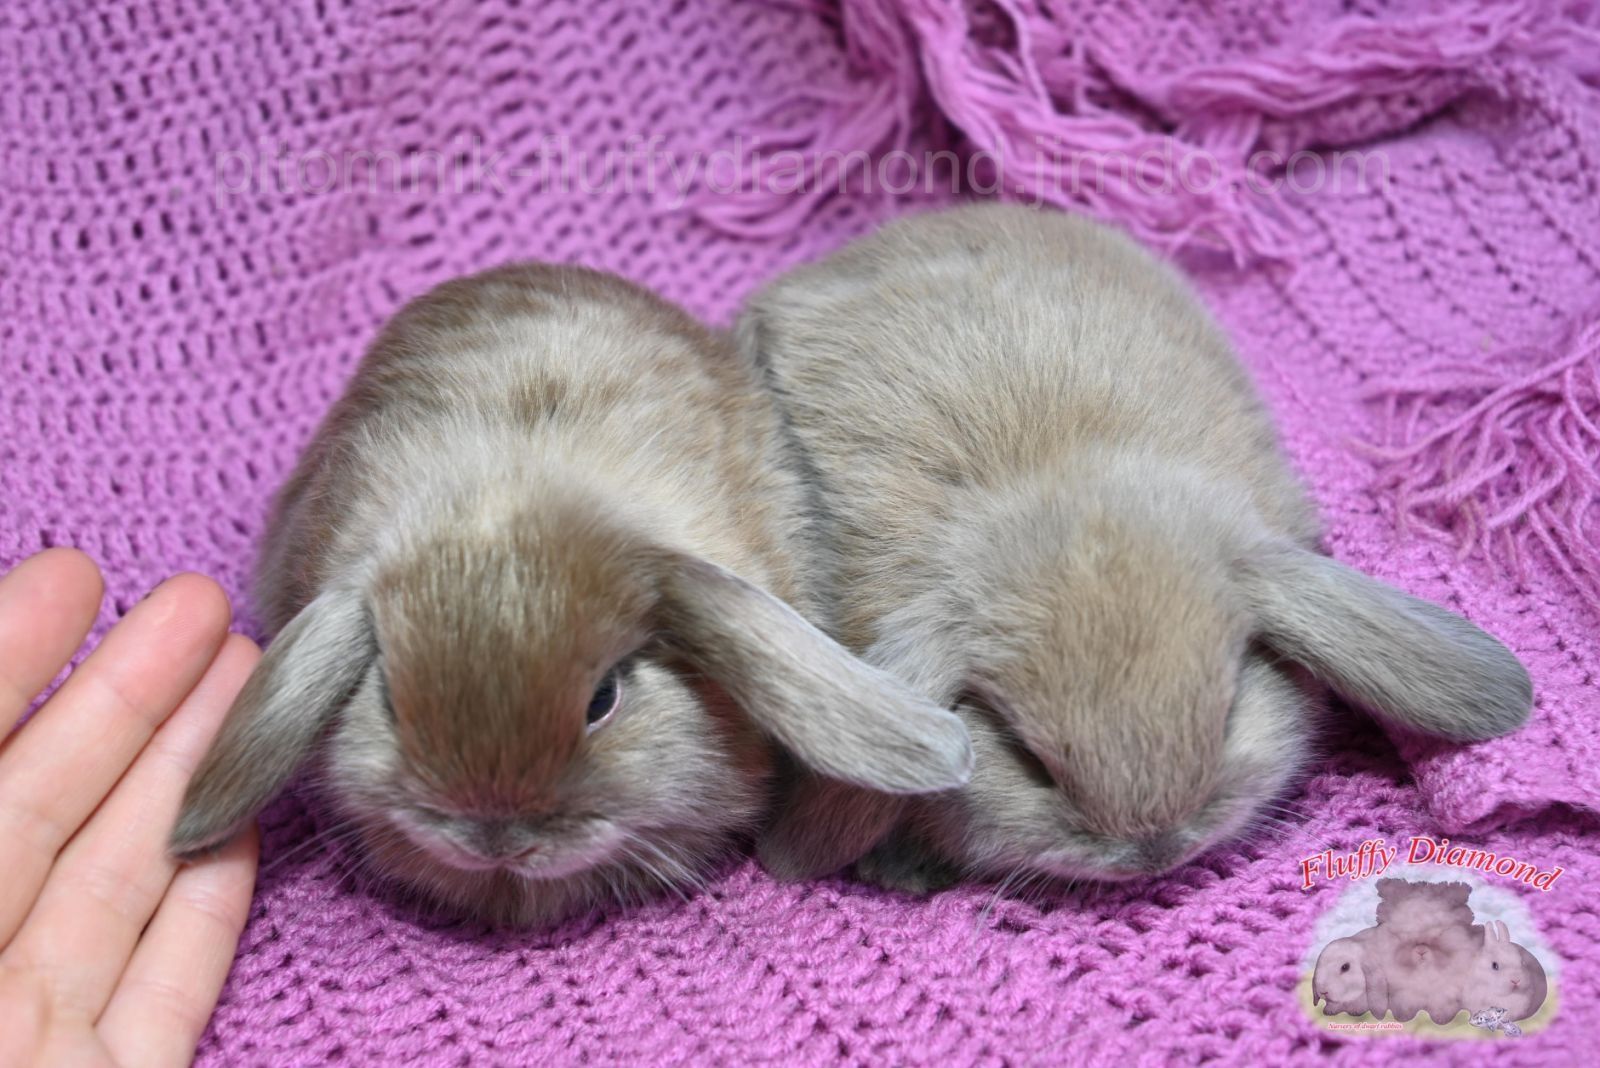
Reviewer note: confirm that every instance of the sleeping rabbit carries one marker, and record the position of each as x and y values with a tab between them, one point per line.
529	584
1054	501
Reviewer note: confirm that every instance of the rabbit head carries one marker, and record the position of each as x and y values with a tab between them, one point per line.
1135	658
1124	709
540	679
1504	975
1349	978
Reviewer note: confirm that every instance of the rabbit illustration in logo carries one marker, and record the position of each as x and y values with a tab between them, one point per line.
1429	941
1423	911
1504	975
1425	974
1351	975
1425	954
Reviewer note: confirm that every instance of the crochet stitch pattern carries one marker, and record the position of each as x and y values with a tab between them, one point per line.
174	321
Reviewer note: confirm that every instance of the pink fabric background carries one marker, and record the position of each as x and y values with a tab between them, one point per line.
166	346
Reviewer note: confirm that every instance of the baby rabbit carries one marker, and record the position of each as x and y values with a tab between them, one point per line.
1463	968
1504	975
1429	934
1055	501
1425	975
521	582
1351	975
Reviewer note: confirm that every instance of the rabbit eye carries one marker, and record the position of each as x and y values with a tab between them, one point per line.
606	697
1027	760
1495	965
1345	966
385	698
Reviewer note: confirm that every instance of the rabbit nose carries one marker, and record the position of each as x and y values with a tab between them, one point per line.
1515	983
1158	853
502	840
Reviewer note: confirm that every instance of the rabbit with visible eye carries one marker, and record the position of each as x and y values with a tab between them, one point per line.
529	584
1055	502
1504	975
1351	977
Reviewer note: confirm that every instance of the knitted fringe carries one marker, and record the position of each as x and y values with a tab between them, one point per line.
1502	455
1025	98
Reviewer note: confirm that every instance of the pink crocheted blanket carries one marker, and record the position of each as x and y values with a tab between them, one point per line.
210	205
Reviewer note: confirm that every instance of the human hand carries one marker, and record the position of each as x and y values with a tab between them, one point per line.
110	952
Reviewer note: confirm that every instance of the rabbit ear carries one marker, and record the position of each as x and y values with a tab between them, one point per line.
300	682
1375	983
835	714
1502	932
1410	661
822	825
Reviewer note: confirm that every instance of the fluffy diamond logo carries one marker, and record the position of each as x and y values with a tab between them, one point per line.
1428	949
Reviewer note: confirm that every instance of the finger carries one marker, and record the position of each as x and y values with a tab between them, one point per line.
32	1035
47	604
60	765
109	879
26	1011
165	997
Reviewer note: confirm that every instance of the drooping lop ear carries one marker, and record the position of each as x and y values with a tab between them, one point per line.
835	714
1374	983
300	682
821	825
1407	660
